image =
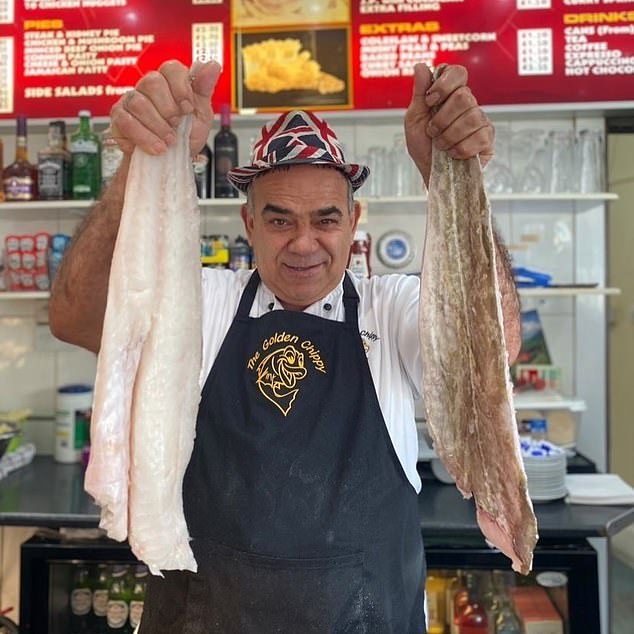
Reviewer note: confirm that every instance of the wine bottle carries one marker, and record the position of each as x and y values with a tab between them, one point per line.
19	179
225	155
201	165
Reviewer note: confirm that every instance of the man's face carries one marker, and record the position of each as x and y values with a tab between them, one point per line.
301	231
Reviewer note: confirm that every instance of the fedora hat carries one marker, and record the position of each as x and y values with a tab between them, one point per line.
297	138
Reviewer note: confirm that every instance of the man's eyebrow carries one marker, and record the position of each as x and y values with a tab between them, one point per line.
275	209
324	211
329	211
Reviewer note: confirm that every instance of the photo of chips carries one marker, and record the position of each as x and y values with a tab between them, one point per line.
273	65
286	69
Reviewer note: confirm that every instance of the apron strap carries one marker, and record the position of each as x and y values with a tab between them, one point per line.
350	302
248	295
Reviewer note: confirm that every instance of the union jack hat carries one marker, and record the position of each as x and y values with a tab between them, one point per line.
296	138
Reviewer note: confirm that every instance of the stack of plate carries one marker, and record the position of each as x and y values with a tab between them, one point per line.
545	466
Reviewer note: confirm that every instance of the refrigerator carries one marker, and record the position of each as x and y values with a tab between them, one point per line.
565	570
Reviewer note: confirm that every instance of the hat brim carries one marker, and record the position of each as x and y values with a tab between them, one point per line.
241	177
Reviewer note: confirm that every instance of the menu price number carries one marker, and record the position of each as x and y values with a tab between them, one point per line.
535	52
6	12
207	41
533	4
6	74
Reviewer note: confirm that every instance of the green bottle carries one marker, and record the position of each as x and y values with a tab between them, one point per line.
118	609
80	601
137	597
85	148
100	599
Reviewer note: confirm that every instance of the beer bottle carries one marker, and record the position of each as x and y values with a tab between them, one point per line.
138	595
118	609
100	599
80	601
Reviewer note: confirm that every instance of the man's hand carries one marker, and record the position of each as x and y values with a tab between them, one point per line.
148	115
445	112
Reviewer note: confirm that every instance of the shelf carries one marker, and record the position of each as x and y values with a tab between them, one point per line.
23	295
547	400
81	206
571	197
567	291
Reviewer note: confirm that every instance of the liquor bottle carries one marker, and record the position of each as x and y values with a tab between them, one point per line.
435	587
86	152
202	165
54	165
19	179
118	610
111	157
225	155
472	618
80	601
137	597
507	621
460	600
100	600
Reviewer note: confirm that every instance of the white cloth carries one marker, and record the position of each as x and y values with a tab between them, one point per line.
388	323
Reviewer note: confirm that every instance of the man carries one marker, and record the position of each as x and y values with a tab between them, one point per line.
300	495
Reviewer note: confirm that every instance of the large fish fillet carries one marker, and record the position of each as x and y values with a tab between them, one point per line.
466	385
146	388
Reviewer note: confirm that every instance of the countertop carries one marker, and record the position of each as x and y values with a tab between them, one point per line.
48	494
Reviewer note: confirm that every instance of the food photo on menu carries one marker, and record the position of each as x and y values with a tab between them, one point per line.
259	13
285	69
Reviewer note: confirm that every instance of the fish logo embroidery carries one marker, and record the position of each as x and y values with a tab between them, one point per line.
278	375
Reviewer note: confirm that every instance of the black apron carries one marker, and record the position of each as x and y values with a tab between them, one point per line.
301	517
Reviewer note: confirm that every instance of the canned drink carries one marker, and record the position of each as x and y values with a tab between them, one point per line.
12	244
27	243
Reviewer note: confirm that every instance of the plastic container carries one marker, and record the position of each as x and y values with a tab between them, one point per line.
539	429
72	422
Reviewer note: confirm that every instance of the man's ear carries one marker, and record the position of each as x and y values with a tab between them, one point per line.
247	220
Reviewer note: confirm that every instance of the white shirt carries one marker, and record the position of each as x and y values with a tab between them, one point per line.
388	323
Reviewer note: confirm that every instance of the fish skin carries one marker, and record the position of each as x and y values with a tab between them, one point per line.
147	385
466	381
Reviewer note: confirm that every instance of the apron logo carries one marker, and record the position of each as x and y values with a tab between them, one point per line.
278	375
279	371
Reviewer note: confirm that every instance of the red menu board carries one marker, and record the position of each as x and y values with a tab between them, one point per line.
60	56
516	51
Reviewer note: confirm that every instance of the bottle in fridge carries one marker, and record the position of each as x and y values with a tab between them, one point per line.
119	594
80	601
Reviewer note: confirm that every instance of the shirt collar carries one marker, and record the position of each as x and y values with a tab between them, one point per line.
329	307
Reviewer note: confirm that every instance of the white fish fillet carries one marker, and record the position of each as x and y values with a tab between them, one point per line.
466	382
147	384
